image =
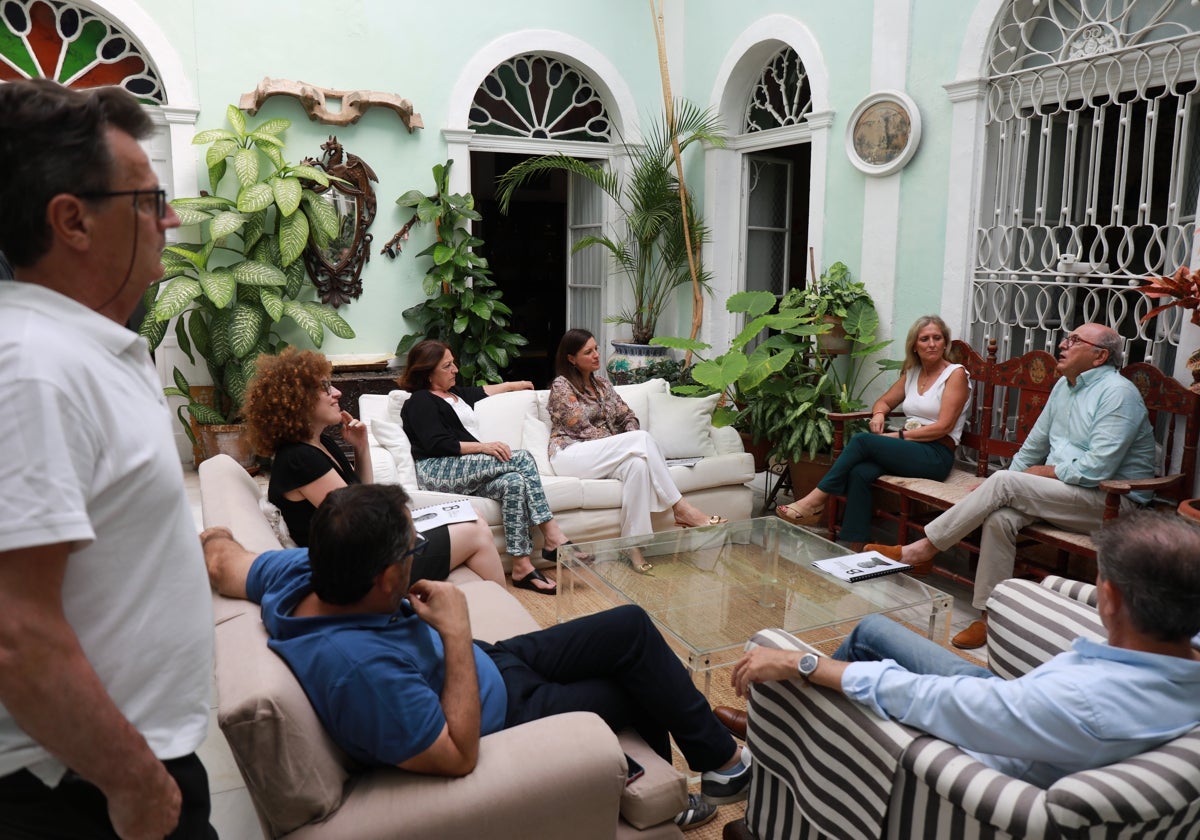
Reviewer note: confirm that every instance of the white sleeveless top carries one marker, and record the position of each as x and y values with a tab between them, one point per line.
926	407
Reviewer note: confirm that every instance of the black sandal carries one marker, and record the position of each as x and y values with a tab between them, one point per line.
527	582
550	555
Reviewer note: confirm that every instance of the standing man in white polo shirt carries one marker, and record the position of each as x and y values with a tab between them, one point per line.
105	616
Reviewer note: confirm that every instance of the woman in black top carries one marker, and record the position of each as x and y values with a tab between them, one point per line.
441	425
290	402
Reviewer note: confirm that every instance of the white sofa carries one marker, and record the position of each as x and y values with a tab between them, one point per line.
559	778
586	509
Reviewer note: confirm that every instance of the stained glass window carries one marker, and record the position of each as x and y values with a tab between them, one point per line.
781	96
542	98
74	46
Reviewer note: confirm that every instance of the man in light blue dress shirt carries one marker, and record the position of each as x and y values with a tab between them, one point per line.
1094	428
1087	707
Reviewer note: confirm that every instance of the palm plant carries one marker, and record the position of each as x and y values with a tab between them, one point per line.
652	253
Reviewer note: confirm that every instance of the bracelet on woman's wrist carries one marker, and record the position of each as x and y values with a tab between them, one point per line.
901	434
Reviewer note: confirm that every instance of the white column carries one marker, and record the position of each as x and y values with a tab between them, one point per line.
881	195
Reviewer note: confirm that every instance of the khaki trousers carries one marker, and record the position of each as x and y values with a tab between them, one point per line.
1002	506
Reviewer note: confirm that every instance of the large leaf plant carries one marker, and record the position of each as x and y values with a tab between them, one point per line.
464	308
783	389
244	279
651	251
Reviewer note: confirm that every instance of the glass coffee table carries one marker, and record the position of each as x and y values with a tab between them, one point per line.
712	588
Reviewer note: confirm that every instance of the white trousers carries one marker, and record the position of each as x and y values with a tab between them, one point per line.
636	460
1002	506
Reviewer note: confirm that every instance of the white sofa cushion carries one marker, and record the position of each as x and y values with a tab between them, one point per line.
680	425
502	416
637	397
391	437
535	437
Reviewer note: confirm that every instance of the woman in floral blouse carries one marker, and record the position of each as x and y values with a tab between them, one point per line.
594	434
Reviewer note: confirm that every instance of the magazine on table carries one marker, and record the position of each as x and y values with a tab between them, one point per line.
443	513
863	566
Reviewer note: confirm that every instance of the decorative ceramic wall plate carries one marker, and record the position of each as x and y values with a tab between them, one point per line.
883	133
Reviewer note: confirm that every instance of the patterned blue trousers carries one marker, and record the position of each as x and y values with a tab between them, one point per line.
515	484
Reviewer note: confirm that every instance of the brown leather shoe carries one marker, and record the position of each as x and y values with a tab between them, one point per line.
895	553
732	719
975	636
891	552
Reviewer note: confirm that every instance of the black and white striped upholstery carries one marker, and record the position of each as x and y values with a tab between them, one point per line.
1029	624
828	769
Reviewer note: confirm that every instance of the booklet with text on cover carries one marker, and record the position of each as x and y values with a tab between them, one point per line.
864	566
443	513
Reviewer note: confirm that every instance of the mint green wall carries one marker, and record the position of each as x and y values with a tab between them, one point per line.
418	50
414	50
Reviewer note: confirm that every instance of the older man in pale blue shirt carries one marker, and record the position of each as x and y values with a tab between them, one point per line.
1094	428
1091	706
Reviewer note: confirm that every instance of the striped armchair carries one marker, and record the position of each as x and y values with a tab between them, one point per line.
826	767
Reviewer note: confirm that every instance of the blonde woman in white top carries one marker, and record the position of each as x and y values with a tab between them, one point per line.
932	392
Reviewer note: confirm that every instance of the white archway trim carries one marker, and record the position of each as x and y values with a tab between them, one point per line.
967	93
977	39
736	74
723	167
133	19
599	70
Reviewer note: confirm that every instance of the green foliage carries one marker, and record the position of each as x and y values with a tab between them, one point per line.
464	307
833	294
783	390
652	253
245	276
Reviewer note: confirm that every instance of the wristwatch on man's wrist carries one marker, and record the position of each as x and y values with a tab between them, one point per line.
807	664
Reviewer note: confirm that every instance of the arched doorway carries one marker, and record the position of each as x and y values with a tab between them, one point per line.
531	98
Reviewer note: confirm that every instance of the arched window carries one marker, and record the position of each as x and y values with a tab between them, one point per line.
541	98
74	46
1092	127
780	96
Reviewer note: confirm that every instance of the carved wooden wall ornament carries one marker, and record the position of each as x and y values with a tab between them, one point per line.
336	269
354	102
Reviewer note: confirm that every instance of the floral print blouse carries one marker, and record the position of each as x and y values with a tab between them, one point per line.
576	416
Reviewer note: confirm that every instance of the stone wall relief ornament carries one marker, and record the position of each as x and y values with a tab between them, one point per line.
883	133
336	269
316	100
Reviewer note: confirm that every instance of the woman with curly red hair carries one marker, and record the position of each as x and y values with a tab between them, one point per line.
289	404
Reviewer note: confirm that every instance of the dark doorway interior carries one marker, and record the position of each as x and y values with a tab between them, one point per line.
527	252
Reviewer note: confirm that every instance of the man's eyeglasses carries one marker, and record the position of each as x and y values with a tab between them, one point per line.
417	547
1071	340
326	386
141	199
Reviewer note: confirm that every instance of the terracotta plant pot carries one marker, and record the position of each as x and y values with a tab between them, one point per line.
806	472
834	342
229	440
1190	509
758	450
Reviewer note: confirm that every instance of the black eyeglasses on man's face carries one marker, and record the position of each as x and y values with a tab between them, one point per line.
141	199
419	543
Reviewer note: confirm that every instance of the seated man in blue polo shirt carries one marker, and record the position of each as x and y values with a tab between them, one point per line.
396	678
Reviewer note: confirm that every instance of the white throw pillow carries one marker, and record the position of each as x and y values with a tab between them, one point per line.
275	516
536	439
391	437
396	401
635	397
680	425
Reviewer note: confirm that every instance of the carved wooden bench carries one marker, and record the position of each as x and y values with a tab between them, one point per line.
1006	399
